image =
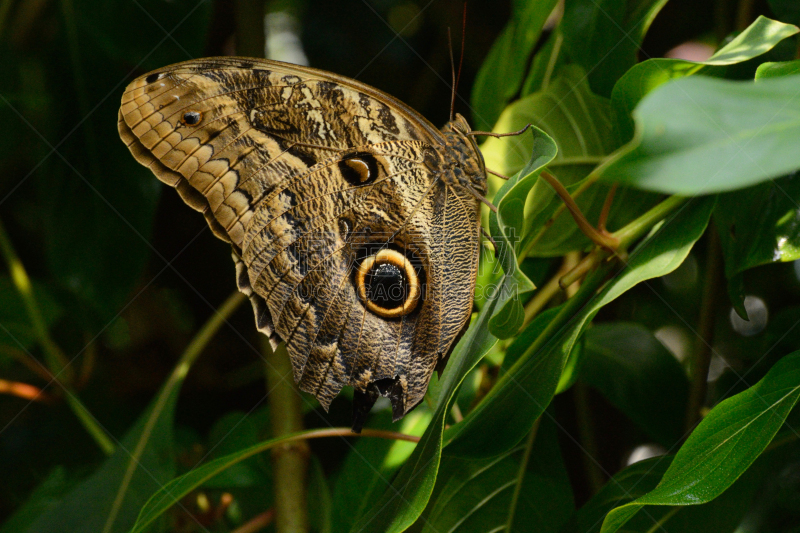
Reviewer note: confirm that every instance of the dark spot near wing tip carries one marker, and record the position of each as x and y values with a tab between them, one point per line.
191	117
152	77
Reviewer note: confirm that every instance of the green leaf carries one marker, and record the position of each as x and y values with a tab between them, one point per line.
479	495
319	496
701	135
546	63
506	226
721	515
232	432
634	481
503	70
603	36
407	495
758	38
46	495
777	69
86	508
579	123
723	445
370	465
758	225
16	330
639	376
502	419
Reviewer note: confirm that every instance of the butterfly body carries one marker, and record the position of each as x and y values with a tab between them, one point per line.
353	225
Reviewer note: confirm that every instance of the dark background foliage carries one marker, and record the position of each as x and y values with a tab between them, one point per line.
126	274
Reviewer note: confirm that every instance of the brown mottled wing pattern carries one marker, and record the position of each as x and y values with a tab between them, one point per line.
257	147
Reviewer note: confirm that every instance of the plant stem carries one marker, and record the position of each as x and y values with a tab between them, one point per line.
602	239
528	246
523	467
176	492
290	461
23	358
547	291
588	437
177	376
636	228
56	360
625	236
257	523
712	287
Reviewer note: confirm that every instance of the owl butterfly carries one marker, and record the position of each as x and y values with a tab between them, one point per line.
354	222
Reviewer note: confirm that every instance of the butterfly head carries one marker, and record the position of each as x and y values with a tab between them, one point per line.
468	168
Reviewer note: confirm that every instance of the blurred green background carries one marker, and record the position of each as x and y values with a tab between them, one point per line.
126	273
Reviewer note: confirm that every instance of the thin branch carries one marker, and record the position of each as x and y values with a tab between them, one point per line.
601	222
257	523
701	360
24	391
602	239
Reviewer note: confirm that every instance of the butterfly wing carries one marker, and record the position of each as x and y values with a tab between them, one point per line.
306	174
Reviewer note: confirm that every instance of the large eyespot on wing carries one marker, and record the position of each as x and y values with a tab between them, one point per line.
300	252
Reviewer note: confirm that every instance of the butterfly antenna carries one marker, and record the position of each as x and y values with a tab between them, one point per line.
453	72
493	134
461	59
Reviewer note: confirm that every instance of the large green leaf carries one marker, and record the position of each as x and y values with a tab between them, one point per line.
502	419
723	445
501	74
701	135
630	367
525	486
758	225
507	225
721	515
603	36
760	37
579	123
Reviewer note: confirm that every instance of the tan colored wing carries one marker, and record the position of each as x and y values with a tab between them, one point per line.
259	146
